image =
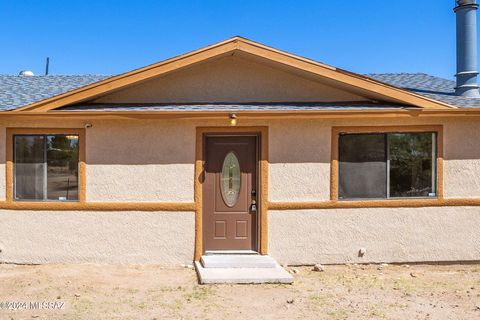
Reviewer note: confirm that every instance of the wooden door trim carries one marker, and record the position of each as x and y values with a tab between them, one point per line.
262	223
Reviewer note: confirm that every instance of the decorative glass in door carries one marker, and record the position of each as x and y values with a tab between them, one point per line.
230	179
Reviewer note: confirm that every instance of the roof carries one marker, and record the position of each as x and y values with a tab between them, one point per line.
17	91
430	86
362	85
46	93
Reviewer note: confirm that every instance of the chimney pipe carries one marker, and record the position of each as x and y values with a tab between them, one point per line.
47	65
466	12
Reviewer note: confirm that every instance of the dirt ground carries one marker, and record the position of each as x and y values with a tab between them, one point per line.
152	292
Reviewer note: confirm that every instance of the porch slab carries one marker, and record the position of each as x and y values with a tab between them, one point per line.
237	261
242	275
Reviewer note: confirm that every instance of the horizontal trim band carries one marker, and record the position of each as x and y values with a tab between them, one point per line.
264	114
401	203
99	206
190	206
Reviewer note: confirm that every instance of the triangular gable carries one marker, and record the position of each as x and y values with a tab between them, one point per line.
359	84
234	79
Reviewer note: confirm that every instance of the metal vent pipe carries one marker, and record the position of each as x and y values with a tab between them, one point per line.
466	12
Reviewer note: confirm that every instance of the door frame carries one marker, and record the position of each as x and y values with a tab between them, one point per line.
262	180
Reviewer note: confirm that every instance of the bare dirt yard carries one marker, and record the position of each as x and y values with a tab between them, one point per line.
152	292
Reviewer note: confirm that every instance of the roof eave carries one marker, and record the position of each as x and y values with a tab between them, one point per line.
246	114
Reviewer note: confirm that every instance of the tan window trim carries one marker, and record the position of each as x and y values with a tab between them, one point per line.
81	163
438	129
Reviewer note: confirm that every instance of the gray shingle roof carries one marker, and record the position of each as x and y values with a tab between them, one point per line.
426	85
17	91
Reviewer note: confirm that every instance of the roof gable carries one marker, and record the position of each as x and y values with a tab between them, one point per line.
354	83
229	79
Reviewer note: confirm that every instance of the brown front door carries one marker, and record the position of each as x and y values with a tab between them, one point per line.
229	190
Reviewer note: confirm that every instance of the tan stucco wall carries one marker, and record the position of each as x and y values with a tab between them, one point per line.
153	160
140	161
462	158
229	79
300	156
299	161
165	238
129	160
157	158
388	235
2	164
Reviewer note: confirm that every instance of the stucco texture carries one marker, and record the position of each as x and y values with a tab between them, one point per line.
299	161
388	235
3	133
153	160
140	161
462	158
231	79
165	238
300	154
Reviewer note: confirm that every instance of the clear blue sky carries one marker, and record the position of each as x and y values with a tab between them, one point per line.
110	37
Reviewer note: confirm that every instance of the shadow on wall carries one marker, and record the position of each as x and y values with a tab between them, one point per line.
132	142
239	78
129	143
309	141
173	142
462	140
304	141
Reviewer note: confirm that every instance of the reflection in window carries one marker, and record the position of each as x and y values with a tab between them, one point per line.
387	165
362	166
46	167
412	162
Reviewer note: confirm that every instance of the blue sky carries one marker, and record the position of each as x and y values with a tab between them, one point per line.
110	37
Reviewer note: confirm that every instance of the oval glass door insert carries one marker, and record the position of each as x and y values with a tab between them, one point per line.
230	179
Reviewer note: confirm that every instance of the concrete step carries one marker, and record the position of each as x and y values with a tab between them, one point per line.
242	275
237	261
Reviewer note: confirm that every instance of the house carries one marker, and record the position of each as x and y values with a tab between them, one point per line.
242	148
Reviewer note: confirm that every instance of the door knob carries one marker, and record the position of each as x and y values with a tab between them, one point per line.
253	207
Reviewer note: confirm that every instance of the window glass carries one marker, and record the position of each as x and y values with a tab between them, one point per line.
62	167
46	167
387	165
411	164
362	166
230	179
29	167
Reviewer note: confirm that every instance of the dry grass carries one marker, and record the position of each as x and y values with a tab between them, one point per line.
151	292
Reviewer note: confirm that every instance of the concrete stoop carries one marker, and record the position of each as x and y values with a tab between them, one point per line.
241	269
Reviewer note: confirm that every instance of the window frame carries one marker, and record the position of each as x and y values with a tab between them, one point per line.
335	165
10	146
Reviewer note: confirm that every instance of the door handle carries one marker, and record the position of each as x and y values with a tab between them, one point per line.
253	206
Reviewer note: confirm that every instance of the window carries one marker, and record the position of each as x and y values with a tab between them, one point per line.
387	165
230	179
46	167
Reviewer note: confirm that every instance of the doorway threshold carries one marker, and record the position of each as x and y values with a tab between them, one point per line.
223	252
